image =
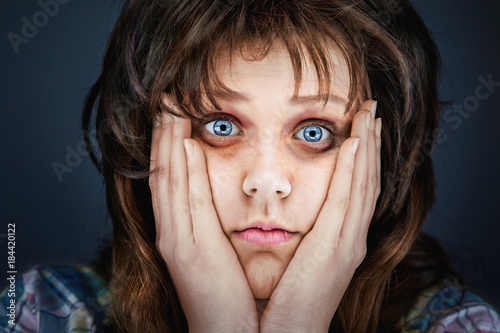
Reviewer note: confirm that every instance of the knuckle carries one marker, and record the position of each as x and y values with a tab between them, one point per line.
363	188
155	177
374	181
343	203
152	180
174	183
359	114
191	171
197	202
156	174
354	257
184	210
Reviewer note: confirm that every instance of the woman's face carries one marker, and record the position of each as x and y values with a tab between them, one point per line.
270	158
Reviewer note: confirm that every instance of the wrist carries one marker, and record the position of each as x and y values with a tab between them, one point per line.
295	329
229	324
275	323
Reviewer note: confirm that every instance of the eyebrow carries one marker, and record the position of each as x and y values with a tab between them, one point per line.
308	99
318	98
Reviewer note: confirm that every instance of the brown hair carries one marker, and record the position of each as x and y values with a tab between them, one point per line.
171	46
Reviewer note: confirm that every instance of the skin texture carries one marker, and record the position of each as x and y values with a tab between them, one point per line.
264	173
323	192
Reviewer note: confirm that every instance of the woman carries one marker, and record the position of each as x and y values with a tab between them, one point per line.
250	184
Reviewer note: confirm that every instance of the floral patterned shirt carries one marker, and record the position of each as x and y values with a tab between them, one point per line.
60	299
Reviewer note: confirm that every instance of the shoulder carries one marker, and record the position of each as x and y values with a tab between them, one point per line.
450	309
54	299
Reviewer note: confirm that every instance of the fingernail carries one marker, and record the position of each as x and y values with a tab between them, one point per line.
374	109
378	127
355	146
188	146
368	120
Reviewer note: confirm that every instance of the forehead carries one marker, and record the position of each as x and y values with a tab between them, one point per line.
275	73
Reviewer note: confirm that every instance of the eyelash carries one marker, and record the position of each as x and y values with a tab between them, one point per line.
323	124
215	117
323	145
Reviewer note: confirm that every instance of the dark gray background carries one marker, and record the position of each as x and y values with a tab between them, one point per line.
44	84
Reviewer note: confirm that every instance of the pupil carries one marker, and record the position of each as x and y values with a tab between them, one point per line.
222	127
313	133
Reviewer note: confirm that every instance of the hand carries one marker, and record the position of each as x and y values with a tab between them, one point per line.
210	282
310	290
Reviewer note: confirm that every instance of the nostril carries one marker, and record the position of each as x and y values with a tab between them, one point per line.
266	184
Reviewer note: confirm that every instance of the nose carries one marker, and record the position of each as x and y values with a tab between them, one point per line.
266	177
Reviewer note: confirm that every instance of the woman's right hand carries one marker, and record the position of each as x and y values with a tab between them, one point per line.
209	279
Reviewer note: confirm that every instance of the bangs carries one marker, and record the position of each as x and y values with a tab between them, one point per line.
251	32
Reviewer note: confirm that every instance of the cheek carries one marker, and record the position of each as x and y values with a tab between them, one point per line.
309	179
222	176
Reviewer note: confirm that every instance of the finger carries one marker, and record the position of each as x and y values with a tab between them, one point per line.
363	126
378	143
154	143
379	153
332	214
178	181
206	225
372	183
378	130
363	233
158	180
155	138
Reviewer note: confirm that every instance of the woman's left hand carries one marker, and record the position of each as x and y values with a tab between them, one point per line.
310	290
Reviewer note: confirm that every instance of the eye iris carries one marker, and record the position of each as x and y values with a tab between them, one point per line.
313	133
222	127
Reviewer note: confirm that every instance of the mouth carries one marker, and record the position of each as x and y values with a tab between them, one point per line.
264	234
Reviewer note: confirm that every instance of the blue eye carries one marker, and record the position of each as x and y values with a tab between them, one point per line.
313	133
222	127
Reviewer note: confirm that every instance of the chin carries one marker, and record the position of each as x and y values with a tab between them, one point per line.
263	272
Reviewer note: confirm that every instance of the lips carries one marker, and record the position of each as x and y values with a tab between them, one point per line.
261	233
